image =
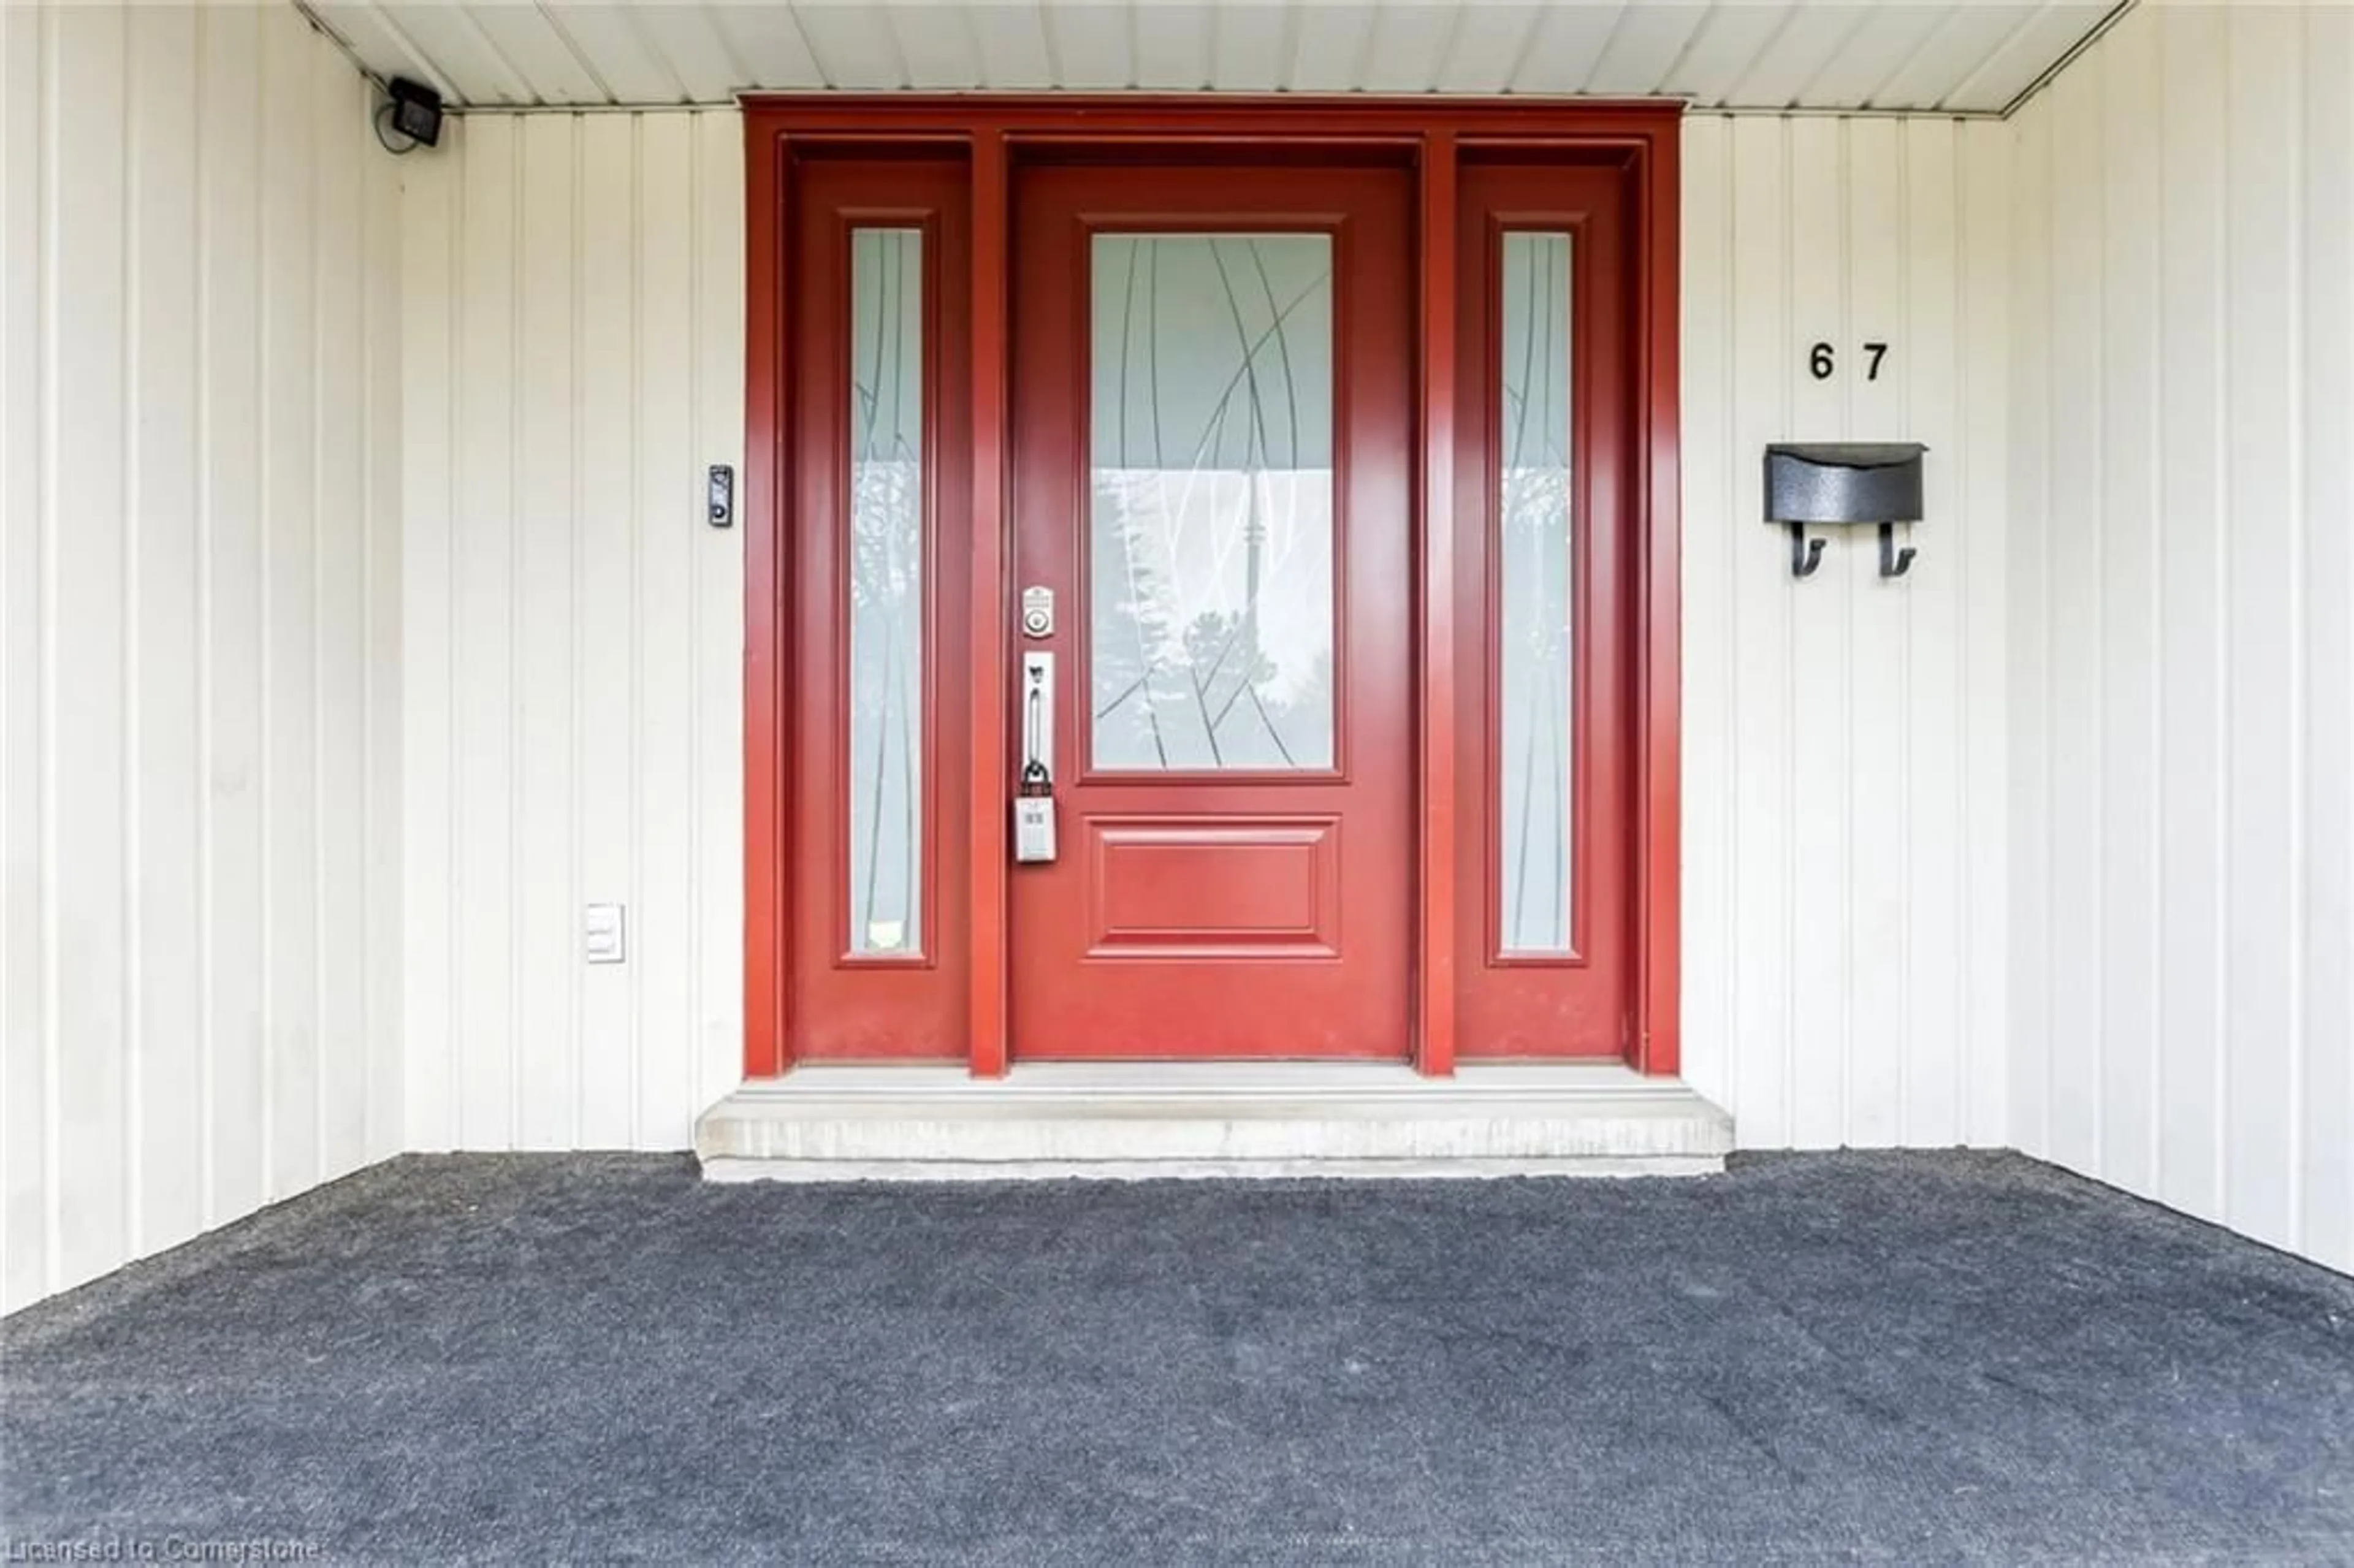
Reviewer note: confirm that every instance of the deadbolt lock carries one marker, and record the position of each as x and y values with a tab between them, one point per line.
1038	613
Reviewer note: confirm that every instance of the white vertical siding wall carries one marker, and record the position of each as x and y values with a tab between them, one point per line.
1844	744
574	631
2182	595
575	358
200	401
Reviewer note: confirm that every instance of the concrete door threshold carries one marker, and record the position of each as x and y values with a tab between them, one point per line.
1141	1119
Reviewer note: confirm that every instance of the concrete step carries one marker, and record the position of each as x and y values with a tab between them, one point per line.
1133	1120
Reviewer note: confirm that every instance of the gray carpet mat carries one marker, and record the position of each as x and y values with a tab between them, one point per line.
1883	1358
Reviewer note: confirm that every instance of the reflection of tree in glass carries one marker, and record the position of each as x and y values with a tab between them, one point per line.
1123	667
1227	645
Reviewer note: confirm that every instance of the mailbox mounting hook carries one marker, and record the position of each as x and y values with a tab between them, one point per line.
1806	554
1893	562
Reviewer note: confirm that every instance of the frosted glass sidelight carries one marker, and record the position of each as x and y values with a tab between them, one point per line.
884	777
1535	709
1210	540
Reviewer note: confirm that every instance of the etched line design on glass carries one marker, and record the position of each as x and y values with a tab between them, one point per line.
886	770
1534	709
1210	540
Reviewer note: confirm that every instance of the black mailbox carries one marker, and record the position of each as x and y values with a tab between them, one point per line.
1839	484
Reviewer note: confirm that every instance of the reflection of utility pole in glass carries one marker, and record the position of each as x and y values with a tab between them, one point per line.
1254	541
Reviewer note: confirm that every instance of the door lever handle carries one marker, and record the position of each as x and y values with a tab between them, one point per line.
1038	716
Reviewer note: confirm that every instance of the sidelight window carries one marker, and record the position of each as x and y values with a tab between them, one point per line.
1535	705
885	762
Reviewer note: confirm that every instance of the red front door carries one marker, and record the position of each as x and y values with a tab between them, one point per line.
1212	488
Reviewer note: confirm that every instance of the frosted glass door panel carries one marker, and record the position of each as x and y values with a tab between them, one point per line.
1211	535
885	782
1535	709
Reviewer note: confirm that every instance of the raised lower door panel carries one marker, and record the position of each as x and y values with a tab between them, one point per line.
1214	887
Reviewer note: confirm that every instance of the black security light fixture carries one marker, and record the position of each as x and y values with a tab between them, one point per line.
412	114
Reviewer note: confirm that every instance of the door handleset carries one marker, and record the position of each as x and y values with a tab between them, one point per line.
1034	807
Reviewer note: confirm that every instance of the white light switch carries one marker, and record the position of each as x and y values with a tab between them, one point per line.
602	939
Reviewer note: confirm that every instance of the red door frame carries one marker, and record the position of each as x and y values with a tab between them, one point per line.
1437	136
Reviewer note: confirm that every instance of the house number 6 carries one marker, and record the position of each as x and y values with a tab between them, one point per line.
1822	360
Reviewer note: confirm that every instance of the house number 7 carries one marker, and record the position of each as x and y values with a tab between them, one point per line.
1822	360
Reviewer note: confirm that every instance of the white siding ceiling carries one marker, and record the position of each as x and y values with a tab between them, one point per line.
1976	57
